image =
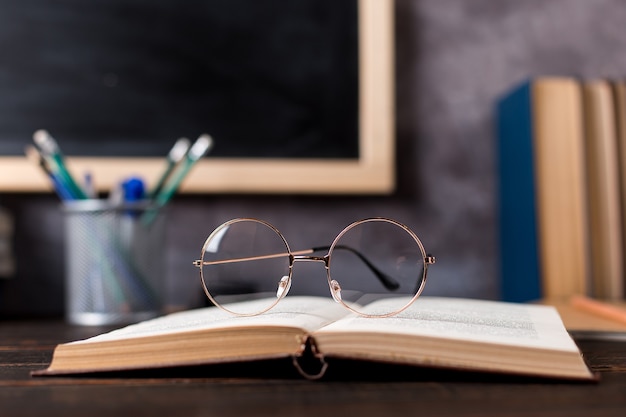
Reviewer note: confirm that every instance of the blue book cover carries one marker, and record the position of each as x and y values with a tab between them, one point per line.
518	234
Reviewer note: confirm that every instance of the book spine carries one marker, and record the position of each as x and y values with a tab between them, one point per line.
619	92
604	190
519	253
560	188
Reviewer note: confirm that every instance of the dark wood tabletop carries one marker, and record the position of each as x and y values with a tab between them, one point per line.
274	389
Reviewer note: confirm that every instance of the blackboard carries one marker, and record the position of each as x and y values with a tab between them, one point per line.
275	82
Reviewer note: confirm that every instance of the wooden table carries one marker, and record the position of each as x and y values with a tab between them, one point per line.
351	390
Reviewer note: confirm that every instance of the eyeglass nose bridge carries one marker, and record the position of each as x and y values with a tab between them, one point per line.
309	258
335	288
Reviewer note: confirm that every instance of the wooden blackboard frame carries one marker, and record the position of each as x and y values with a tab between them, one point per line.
372	173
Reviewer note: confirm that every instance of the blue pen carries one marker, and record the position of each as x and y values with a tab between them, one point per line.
134	190
135	284
37	158
52	153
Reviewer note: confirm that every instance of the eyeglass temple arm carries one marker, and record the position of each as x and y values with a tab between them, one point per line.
388	282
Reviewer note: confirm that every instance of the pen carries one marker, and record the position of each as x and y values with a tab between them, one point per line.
599	308
90	190
52	153
133	190
37	158
130	190
175	155
200	147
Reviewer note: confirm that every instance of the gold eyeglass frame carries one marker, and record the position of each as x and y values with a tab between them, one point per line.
305	256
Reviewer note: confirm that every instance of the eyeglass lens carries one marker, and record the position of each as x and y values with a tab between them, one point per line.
247	259
256	265
377	259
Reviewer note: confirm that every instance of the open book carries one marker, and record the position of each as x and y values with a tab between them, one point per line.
436	332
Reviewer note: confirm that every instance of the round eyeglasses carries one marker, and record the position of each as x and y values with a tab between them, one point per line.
246	266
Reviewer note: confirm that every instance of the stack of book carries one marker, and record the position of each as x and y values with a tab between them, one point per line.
562	171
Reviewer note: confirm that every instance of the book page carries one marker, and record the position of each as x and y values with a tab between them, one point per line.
307	313
470	320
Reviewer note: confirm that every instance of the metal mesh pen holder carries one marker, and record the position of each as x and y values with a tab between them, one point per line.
114	262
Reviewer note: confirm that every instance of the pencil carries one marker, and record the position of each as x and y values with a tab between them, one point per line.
599	308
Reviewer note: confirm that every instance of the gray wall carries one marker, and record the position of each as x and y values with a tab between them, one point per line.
454	57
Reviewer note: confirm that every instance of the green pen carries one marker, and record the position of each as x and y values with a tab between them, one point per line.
175	155
52	153
200	147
